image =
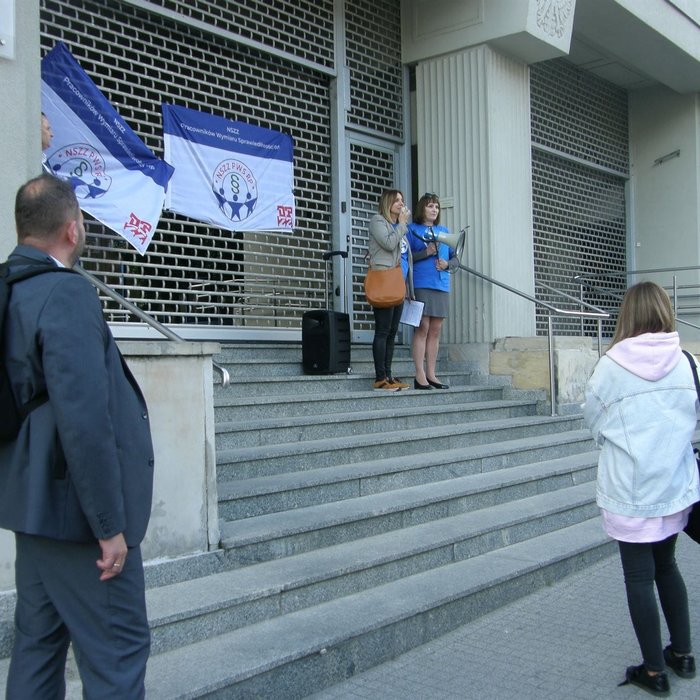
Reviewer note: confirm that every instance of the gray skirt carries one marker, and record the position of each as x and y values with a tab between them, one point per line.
435	302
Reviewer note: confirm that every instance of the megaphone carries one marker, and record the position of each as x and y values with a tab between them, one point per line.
456	241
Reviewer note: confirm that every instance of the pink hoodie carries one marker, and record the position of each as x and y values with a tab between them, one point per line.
650	356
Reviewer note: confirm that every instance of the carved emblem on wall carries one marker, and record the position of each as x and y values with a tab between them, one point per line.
553	16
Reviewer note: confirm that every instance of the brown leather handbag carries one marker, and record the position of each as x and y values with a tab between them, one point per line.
385	288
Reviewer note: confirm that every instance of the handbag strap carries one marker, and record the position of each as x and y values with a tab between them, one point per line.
694	368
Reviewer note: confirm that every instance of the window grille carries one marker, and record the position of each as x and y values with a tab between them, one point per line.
194	273
302	28
205	281
579	169
373	50
579	114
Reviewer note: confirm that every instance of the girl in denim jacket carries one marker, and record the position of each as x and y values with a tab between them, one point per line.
641	406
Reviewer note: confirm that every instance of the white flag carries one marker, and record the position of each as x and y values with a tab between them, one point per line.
115	176
234	175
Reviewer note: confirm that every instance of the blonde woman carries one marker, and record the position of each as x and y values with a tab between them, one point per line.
387	248
641	406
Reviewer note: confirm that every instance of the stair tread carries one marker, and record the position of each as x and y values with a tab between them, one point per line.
225	401
276	576
354	416
417	434
215	663
273	525
237	488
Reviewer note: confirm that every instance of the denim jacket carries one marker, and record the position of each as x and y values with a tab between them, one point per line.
641	406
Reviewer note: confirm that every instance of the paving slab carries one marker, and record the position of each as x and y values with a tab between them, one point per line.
573	639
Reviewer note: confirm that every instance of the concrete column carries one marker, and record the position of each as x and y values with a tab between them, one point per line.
473	136
20	112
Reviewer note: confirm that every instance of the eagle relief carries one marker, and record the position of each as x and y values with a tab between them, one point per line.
553	15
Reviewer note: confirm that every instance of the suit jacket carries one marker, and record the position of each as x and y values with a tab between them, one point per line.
81	467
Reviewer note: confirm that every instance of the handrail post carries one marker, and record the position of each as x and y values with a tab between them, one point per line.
675	295
550	347
600	338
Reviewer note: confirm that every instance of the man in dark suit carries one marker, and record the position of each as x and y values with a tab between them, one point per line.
76	483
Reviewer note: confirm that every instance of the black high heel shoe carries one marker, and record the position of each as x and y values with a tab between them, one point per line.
416	385
438	385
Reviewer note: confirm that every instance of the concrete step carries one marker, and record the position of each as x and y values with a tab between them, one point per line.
193	610
250	353
280	534
297	653
248	408
244	498
270	431
247	462
256	367
275	385
277	360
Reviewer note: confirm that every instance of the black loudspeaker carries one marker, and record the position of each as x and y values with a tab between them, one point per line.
325	334
325	342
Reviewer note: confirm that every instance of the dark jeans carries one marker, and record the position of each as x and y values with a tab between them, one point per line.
643	565
386	324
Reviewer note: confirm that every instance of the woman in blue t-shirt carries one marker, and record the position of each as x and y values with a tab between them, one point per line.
431	281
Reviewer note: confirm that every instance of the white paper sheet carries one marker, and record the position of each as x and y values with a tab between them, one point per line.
412	312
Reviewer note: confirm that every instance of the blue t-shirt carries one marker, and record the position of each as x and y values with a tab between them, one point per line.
404	257
425	274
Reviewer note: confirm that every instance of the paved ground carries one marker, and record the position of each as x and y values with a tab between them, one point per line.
571	640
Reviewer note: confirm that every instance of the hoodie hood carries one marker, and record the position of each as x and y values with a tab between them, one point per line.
650	356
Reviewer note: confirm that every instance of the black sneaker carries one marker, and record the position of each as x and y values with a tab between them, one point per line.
656	685
683	666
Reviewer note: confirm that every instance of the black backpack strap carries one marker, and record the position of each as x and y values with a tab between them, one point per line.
11	276
694	367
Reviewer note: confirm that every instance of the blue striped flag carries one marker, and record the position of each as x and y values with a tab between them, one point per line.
116	177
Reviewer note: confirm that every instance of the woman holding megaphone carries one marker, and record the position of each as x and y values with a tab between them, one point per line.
432	263
387	249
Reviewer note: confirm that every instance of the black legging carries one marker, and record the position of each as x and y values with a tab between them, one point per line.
386	324
644	564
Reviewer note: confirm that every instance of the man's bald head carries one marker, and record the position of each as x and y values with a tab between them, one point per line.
43	206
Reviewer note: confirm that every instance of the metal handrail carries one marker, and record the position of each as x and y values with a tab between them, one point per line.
585	279
594	313
629	273
139	313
